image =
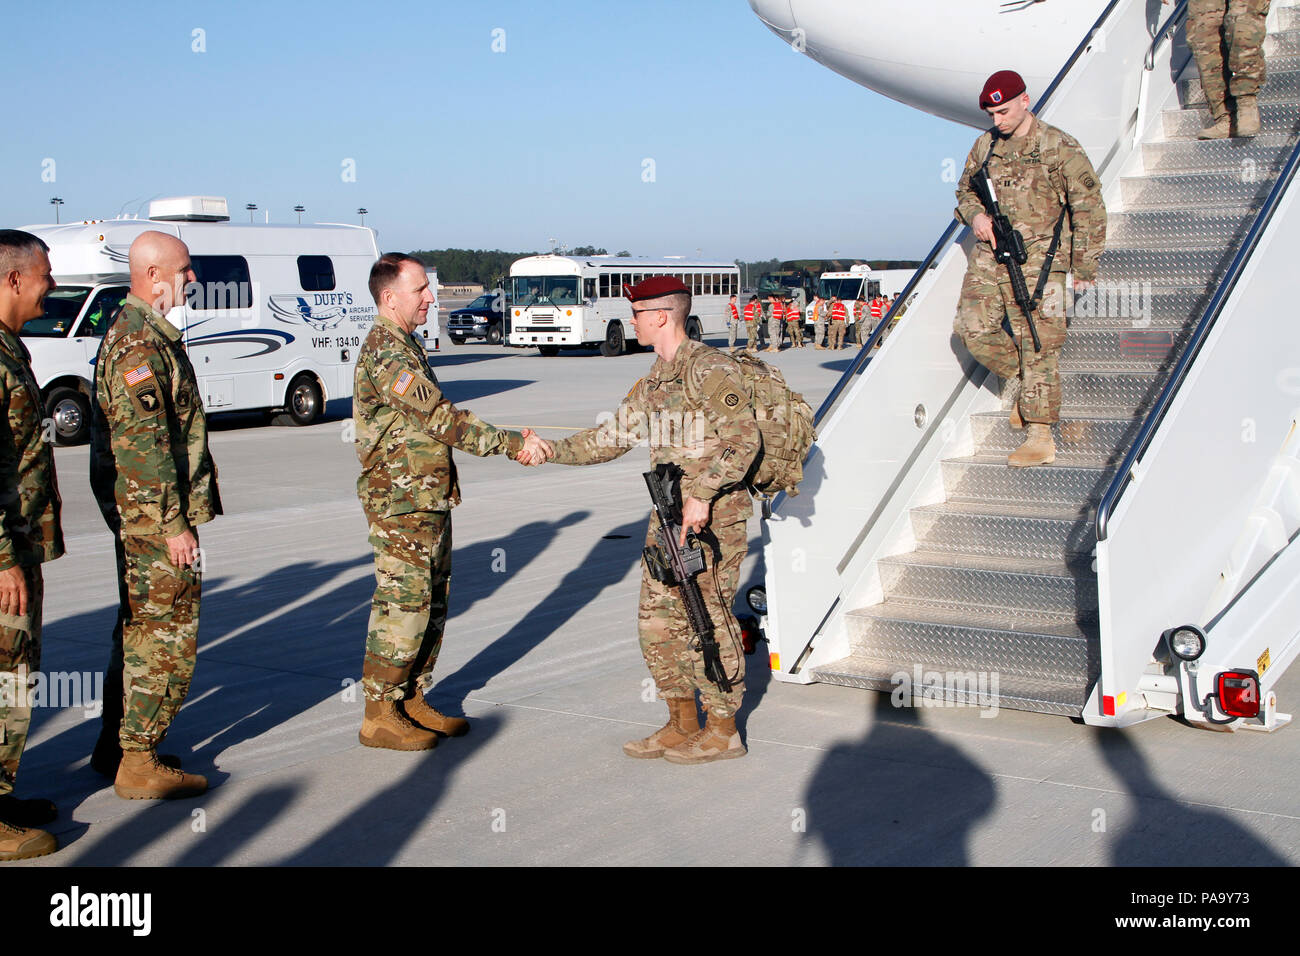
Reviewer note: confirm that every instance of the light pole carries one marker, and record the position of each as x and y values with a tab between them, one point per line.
252	208
56	202
362	213
299	210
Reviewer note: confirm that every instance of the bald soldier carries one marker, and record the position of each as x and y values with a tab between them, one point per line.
694	408
405	431
1227	39
155	482
30	534
1047	187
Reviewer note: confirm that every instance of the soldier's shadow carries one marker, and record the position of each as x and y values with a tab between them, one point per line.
606	564
899	796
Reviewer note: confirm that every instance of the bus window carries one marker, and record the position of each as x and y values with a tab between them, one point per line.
589	288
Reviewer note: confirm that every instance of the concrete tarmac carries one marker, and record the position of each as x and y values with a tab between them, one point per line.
541	655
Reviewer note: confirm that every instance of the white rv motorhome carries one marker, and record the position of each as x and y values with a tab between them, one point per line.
274	320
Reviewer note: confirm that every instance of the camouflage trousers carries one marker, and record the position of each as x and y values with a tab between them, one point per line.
20	659
819	330
837	334
794	329
751	336
774	333
1227	39
667	641
732	328
409	609
986	298
155	642
862	329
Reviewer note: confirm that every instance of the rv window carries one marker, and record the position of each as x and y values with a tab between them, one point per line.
222	282
316	273
103	310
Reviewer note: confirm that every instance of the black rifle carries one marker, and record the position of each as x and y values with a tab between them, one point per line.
677	566
1008	247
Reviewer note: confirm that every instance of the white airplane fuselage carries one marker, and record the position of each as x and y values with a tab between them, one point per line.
934	54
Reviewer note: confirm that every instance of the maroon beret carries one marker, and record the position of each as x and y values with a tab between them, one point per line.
1002	86
655	287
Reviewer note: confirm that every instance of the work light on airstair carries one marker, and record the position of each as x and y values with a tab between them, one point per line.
1186	642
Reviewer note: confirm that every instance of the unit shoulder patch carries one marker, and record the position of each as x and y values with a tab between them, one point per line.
411	390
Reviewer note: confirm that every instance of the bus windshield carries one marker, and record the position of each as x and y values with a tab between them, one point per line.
544	290
62	306
846	289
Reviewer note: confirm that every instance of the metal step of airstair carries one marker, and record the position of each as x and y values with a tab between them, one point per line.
1000	591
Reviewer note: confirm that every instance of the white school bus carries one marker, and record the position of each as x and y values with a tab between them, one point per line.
274	320
577	301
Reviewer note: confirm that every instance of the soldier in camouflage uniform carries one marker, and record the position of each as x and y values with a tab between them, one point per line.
820	309
694	409
794	323
29	533
405	430
753	323
155	482
1227	39
1039	173
775	319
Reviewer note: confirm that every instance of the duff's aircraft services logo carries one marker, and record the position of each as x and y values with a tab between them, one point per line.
320	310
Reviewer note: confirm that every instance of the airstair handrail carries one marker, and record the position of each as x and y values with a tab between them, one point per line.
1180	11
1190	351
864	354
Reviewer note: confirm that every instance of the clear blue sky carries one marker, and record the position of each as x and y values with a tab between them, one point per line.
757	150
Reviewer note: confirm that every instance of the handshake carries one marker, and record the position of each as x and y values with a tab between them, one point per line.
536	451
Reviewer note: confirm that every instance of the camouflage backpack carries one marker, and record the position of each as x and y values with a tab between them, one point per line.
785	420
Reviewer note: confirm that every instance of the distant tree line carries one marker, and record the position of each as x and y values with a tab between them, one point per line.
750	271
488	268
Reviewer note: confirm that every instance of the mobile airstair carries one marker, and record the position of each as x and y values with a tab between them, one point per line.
915	554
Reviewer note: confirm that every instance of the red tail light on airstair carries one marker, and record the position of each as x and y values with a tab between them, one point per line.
1238	693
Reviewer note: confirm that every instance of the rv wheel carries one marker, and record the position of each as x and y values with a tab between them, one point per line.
70	412
614	343
304	401
693	329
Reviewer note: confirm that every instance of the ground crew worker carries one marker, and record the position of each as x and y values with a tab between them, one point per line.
733	322
30	534
775	321
704	389
839	316
860	329
877	310
1040	175
819	321
155	482
753	323
794	323
405	430
1237	28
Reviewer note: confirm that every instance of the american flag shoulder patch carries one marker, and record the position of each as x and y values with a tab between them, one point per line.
137	375
403	383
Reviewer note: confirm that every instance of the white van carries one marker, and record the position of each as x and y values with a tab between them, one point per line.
274	321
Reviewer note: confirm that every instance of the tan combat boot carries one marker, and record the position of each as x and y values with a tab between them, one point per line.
1221	128
1038	449
107	756
420	712
142	776
719	740
22	843
683	720
386	727
1247	116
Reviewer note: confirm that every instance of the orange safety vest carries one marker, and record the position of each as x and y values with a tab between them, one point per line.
735	316
838	312
859	309
778	311
877	308
753	311
792	313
